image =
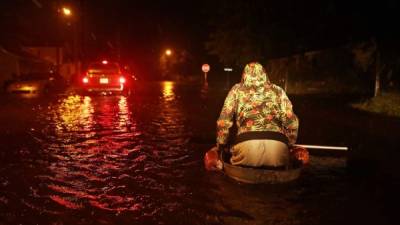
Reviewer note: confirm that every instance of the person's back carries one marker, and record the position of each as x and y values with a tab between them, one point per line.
265	120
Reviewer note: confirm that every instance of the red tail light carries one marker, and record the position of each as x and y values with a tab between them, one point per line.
85	80
122	80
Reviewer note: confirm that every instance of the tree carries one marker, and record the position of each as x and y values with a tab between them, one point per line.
377	60
238	35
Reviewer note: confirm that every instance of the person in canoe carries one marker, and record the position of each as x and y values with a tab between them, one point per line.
267	127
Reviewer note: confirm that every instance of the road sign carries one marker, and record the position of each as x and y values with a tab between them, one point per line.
205	68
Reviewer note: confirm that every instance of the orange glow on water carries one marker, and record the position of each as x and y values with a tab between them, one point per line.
123	114
168	90
75	112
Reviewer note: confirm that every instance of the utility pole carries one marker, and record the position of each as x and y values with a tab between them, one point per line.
82	18
378	71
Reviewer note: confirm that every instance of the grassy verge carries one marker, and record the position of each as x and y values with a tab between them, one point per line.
331	86
386	103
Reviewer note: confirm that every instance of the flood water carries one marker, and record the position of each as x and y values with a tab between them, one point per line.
138	159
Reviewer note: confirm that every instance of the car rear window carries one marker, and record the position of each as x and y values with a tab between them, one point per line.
103	68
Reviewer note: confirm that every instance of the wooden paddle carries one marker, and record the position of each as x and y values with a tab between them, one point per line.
340	148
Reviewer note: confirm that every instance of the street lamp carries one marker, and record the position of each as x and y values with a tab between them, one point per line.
168	52
66	11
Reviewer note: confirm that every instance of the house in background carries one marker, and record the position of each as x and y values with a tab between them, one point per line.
50	54
55	55
15	61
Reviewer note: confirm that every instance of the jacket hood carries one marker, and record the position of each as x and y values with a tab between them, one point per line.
254	75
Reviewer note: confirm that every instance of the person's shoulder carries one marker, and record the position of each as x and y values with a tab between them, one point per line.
236	87
276	88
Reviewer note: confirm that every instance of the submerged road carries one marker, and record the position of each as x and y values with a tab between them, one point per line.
77	159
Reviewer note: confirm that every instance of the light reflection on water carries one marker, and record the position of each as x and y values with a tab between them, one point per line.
89	154
75	113
123	114
99	157
168	90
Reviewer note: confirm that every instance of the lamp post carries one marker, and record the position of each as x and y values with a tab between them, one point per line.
64	13
165	62
72	18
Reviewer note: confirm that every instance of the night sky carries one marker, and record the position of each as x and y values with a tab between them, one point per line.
139	31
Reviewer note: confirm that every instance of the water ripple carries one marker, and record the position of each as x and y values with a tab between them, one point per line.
103	154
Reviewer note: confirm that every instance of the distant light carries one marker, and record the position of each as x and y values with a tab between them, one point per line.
105	62
228	69
168	52
122	80
85	80
66	11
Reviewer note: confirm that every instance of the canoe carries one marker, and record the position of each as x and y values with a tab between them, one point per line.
261	175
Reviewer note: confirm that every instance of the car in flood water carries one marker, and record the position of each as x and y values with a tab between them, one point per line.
35	83
105	77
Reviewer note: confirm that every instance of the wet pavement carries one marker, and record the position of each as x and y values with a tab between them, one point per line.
137	159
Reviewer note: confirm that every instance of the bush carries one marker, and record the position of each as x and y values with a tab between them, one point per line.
387	103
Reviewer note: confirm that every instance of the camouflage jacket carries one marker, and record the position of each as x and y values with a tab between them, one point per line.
257	105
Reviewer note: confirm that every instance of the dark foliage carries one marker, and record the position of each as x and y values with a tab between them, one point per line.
255	30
